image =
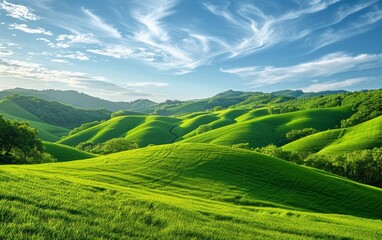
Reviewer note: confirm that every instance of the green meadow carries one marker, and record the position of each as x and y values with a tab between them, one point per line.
184	191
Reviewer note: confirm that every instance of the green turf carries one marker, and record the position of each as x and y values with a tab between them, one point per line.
261	131
184	191
65	153
366	135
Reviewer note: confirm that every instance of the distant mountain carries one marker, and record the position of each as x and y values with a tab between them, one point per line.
80	100
301	94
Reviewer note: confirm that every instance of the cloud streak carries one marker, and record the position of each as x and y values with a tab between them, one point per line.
344	84
328	65
25	28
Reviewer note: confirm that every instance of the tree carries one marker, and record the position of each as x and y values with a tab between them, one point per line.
113	145
202	129
19	143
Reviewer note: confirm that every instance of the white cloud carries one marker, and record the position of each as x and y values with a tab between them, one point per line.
74	55
18	11
318	87
59	45
147	84
59	60
43	39
25	28
5	52
100	24
113	51
328	65
88	38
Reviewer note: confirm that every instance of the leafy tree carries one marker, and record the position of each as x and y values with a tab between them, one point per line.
19	143
113	145
245	145
202	129
297	134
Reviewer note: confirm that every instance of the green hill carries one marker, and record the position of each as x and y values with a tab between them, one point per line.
184	191
269	129
11	110
231	126
366	135
58	114
79	100
65	153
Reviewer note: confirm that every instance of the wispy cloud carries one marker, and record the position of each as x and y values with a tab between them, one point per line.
93	85
18	11
88	38
74	55
113	51
147	84
344	84
25	28
58	45
43	39
98	23
4	52
328	65
361	24
59	60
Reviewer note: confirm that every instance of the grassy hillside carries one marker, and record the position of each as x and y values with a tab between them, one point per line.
11	110
231	126
64	153
79	100
184	191
58	114
366	135
272	129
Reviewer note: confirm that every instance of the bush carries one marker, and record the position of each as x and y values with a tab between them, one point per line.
202	129
113	145
297	134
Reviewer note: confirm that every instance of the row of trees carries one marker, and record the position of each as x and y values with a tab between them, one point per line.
364	166
113	145
19	143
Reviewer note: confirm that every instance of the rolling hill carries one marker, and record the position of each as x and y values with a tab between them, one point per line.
269	129
52	119
231	126
366	135
185	191
11	110
79	100
65	153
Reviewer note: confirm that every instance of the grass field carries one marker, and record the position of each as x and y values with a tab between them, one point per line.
366	135
65	153
184	191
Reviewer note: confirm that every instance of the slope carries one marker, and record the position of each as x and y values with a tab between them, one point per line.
366	135
269	129
79	100
184	191
65	153
11	110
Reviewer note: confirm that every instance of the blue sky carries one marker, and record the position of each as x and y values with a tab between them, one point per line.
166	49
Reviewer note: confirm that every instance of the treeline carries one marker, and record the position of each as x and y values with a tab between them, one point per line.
113	145
19	144
363	166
